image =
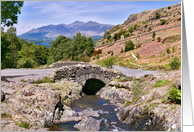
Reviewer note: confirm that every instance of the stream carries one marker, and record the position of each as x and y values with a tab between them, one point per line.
107	112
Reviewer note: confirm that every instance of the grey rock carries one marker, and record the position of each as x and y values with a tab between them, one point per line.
88	124
2	96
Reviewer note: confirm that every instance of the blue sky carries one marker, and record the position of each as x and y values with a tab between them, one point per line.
35	14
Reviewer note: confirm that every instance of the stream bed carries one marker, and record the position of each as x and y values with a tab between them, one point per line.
107	112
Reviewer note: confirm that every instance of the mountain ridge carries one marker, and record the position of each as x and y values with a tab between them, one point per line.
52	31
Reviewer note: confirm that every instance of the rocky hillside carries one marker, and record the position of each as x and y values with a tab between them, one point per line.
52	31
150	51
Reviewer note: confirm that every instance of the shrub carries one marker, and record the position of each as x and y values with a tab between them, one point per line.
109	62
179	18
97	57
163	21
115	36
126	34
158	14
135	26
137	55
108	37
149	29
121	50
173	49
85	58
143	22
174	63
129	45
154	35
158	39
25	63
131	29
146	26
127	102
50	60
175	95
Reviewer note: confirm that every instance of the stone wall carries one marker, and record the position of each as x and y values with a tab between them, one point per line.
81	73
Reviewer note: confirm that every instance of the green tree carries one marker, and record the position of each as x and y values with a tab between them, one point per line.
129	45
9	12
108	37
174	63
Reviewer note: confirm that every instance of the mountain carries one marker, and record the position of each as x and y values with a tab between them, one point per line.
50	32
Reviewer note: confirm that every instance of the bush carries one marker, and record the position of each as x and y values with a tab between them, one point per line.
135	26
137	55
126	34
149	29
163	21
131	29
175	95
146	26
109	62
25	63
24	125
43	80
158	14
174	63
158	39
129	45
169	7
154	35
143	22
85	58
121	50
108	37
115	36
50	60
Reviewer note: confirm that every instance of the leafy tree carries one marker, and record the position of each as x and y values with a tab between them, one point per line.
9	12
89	46
129	45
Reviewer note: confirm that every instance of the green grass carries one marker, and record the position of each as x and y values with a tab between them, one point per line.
43	80
5	115
127	103
24	125
23	80
160	83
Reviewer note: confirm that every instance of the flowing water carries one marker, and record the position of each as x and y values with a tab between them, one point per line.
109	121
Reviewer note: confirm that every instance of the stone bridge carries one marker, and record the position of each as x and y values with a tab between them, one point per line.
81	72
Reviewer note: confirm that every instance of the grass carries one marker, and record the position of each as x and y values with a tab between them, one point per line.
127	103
43	80
5	115
172	39
24	125
136	89
160	83
23	80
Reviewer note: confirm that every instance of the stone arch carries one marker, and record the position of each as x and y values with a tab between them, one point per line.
92	86
83	78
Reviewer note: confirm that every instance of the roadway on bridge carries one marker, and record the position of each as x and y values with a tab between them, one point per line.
16	75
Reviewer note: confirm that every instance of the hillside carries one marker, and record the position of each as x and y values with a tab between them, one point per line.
149	53
51	32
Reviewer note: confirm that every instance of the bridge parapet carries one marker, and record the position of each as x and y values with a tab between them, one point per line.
68	63
80	73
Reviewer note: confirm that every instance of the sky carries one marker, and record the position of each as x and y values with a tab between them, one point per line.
35	14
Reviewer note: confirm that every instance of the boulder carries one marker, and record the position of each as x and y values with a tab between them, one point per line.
88	124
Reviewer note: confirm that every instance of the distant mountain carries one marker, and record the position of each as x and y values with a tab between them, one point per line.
50	32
